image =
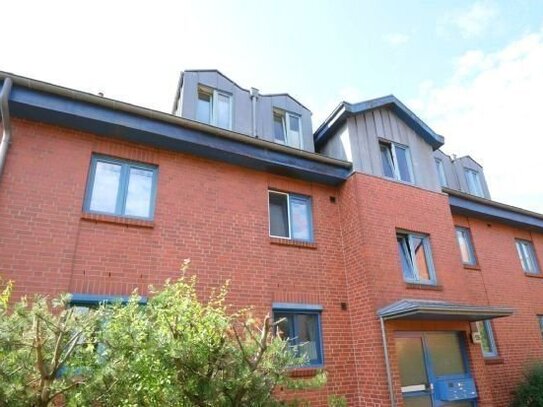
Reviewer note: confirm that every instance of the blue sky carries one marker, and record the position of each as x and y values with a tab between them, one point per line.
471	69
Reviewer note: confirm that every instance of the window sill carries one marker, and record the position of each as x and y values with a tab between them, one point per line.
119	220
533	275
421	286
472	267
494	361
304	372
295	243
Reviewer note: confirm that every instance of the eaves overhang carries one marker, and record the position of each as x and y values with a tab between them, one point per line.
345	110
441	311
51	104
469	205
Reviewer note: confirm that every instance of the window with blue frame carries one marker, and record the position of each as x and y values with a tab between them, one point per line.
540	319
290	216
467	251
527	257
488	343
301	325
416	258
121	188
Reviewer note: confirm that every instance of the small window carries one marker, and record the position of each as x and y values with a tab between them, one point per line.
474	182
416	258
214	107
463	236
540	320
287	128
488	344
303	331
526	254
396	161
121	188
290	216
441	172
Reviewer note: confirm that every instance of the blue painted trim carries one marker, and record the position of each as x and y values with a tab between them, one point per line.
122	191
58	110
292	306
328	128
96	299
475	208
301	309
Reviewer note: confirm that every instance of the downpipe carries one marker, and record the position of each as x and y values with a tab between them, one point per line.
6	122
387	364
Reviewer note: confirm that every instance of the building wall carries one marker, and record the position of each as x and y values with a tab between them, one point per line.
216	215
364	132
518	337
213	213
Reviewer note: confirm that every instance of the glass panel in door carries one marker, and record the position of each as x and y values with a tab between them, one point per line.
413	373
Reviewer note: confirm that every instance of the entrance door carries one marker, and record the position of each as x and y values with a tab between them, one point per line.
434	370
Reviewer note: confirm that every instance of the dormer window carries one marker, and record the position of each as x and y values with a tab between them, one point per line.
396	161
441	172
287	128
474	182
214	107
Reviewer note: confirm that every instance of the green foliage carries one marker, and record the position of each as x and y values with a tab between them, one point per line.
175	351
337	401
39	341
529	392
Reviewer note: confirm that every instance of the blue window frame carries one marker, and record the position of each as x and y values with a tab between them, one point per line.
527	257
301	325
488	343
465	243
291	216
121	188
416	258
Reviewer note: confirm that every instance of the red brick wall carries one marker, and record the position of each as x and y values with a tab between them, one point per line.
216	215
213	213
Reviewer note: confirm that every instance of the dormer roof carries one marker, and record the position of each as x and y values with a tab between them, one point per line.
345	110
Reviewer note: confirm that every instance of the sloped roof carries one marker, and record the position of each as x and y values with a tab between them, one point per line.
345	109
180	84
441	310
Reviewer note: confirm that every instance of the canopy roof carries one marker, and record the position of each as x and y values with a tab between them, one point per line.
441	310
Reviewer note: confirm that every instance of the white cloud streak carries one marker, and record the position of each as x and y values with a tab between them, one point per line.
473	21
491	103
396	39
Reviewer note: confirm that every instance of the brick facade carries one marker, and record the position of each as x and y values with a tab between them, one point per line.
216	214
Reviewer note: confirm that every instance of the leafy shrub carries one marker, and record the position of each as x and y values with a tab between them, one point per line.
529	392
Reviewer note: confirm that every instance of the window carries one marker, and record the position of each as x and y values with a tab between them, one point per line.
441	172
474	182
214	107
467	251
396	161
416	258
287	128
526	254
488	344
302	328
121	188
540	320
290	216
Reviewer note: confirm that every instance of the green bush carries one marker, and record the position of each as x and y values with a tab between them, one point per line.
175	351
529	392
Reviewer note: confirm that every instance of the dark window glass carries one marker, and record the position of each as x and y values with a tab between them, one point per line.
279	223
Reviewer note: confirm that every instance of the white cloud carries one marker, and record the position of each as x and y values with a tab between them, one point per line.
491	109
473	21
396	39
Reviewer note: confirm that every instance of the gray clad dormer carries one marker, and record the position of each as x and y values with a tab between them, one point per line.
462	174
211	97
382	137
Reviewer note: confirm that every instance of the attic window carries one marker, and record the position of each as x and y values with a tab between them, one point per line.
214	107
474	182
287	128
396	161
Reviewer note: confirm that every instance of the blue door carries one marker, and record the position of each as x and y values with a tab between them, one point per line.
434	370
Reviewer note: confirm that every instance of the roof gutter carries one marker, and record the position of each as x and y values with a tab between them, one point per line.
6	122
